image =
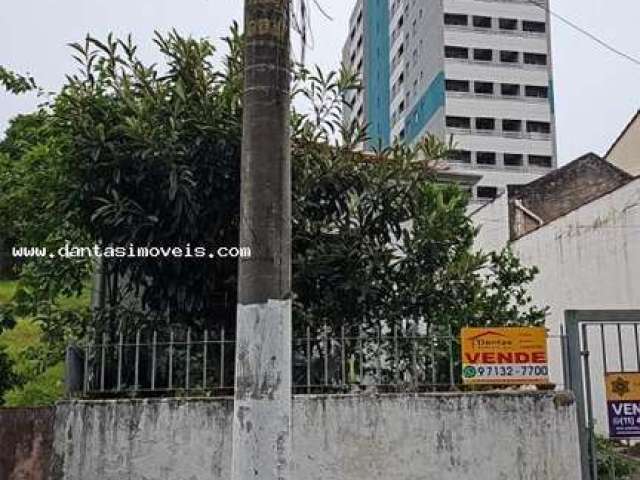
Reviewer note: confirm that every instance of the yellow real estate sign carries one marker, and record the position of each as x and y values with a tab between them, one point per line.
505	355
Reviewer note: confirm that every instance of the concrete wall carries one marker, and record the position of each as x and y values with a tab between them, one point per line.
26	441
401	437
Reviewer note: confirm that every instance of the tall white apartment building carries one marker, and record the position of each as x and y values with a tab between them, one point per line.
479	71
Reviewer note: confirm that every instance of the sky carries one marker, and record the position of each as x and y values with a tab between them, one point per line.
597	92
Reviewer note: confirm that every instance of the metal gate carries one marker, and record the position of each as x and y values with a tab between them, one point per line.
597	342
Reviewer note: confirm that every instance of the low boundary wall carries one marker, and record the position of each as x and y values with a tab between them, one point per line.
466	436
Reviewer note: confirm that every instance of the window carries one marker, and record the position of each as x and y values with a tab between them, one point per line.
483	54
535	91
457	85
482	22
510	89
485	88
456	19
508	24
400	21
513	159
509	125
401	107
487	193
509	56
459	122
537	27
483	123
461	156
538	127
456	52
486	158
535	59
540	161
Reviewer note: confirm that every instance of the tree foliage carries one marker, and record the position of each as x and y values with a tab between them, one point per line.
149	155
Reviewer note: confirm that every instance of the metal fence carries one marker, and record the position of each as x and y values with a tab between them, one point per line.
155	363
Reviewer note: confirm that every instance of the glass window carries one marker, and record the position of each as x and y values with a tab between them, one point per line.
537	27
486	158
485	123
509	56
483	54
510	89
457	85
456	19
513	159
485	88
458	122
509	125
538	127
536	91
456	52
535	59
508	24
481	22
540	161
487	193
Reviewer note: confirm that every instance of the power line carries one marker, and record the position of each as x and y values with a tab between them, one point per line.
593	37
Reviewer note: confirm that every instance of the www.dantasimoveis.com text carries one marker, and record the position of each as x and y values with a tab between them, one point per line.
131	251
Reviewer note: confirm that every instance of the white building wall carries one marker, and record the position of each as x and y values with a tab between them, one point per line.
589	259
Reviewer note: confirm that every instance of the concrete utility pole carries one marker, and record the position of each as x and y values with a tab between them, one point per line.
262	407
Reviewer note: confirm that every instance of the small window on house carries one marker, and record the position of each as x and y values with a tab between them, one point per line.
510	89
535	91
509	125
509	56
460	156
457	85
540	161
508	24
536	27
483	54
535	59
401	107
538	127
486	158
353	34
456	19
400	21
513	159
484	88
456	52
482	22
485	123
360	42
459	122
487	193
401	134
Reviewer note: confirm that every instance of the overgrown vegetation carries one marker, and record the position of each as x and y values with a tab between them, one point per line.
149	155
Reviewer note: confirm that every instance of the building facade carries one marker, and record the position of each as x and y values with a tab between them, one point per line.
477	71
625	151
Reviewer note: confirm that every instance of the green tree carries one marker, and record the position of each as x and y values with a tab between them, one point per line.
130	153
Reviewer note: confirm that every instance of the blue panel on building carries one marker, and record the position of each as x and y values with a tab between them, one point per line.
432	100
378	71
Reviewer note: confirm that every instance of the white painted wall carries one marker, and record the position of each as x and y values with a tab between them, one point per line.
588	259
490	436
